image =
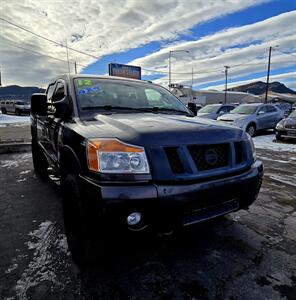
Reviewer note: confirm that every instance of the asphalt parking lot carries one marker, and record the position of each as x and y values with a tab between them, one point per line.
247	255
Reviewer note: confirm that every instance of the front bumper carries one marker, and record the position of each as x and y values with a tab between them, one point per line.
286	133
167	205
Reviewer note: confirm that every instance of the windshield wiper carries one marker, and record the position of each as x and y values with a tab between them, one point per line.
143	109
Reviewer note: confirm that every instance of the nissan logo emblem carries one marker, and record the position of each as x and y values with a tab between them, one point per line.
211	157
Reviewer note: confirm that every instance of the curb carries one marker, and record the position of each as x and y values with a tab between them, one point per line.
15	147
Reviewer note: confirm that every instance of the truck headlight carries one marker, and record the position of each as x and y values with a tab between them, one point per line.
114	156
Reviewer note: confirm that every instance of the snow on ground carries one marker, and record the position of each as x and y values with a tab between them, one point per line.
12	119
267	142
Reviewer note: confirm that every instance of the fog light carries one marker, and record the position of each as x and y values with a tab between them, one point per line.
134	218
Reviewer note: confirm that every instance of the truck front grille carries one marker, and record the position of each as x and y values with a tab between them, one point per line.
290	126
238	147
210	156
174	160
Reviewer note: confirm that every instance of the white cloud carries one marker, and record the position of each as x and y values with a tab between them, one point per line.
245	49
98	27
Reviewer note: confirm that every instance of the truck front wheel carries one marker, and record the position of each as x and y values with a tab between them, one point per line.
81	226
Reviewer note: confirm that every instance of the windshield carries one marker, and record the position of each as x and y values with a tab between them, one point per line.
209	108
293	114
93	93
244	109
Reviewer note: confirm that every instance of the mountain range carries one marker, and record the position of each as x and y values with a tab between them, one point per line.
17	92
259	88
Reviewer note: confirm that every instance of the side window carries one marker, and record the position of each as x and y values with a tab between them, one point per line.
59	93
262	109
230	108
271	109
49	92
222	110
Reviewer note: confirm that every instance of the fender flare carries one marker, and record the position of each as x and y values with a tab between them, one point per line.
68	160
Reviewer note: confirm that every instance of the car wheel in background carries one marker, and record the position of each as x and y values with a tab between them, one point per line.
3	111
39	161
17	112
251	130
279	137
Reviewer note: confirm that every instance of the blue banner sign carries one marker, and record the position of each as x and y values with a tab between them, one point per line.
125	71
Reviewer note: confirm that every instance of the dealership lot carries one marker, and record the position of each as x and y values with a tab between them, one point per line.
247	255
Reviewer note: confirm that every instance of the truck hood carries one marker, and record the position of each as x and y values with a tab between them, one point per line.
148	129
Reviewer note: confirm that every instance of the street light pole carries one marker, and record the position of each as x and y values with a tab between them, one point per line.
226	74
170	67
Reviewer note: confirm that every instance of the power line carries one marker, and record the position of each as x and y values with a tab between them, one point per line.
50	40
41	54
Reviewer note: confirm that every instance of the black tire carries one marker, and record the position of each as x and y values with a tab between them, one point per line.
251	130
39	161
82	223
279	137
3	111
17	112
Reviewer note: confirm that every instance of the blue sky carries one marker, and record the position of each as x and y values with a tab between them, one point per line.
247	16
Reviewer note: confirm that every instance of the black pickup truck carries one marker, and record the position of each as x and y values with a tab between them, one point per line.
129	155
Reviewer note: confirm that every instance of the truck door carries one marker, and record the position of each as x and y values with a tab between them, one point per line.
262	118
42	122
273	116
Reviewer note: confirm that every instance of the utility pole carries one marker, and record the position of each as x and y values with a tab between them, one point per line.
170	53
75	65
0	77
268	71
226	74
192	84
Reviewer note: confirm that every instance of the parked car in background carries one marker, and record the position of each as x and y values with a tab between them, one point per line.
17	107
254	117
286	128
213	111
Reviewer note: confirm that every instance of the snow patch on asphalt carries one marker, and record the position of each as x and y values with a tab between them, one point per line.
11	119
50	255
267	142
18	160
285	179
274	160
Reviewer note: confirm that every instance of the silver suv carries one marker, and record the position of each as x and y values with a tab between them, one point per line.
17	107
254	117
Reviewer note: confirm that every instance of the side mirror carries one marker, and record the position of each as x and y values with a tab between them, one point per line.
63	109
192	107
39	104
